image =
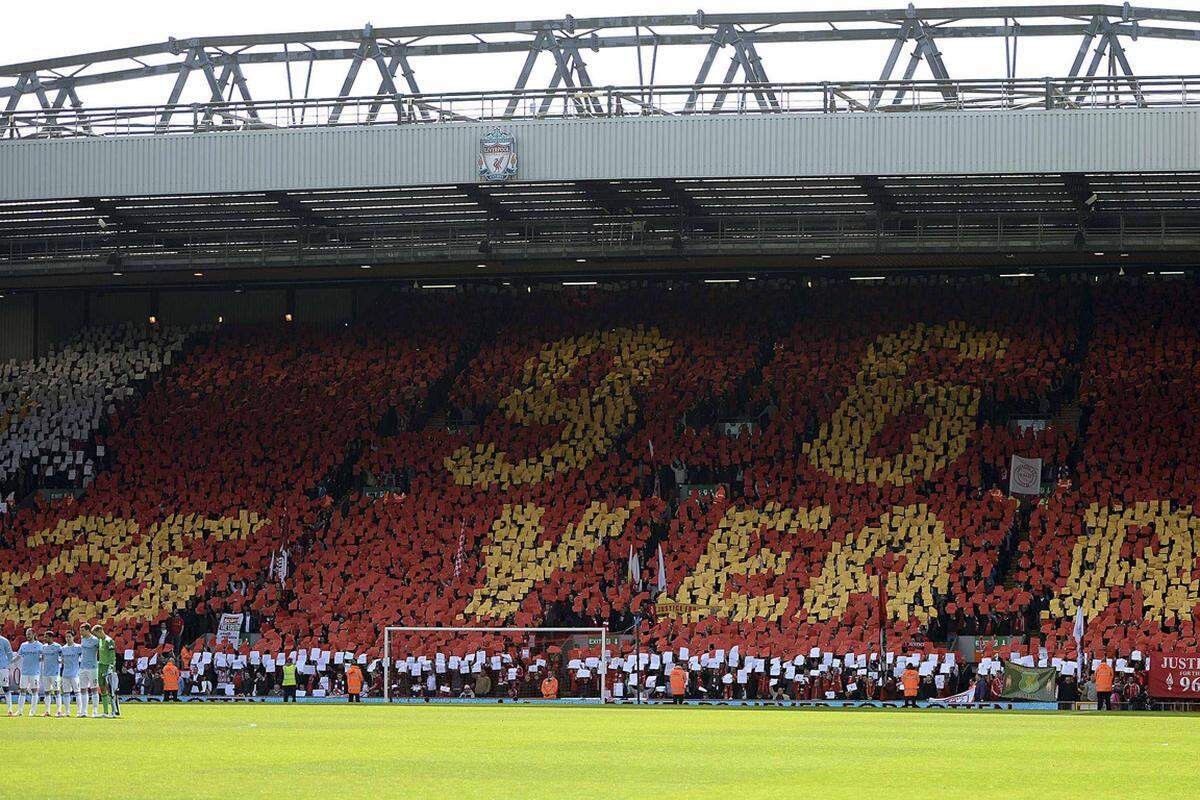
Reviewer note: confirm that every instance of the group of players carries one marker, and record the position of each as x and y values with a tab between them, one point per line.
83	670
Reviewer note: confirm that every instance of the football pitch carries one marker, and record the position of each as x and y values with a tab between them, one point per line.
326	751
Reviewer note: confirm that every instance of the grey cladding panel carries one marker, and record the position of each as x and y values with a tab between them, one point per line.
1087	140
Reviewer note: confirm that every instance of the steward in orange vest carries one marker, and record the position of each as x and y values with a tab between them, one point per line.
354	683
170	678
1104	686
550	688
911	681
679	681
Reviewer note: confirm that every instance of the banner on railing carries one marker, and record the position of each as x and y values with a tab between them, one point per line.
689	490
1175	676
1029	683
960	699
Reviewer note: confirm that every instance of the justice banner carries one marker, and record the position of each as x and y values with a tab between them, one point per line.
229	629
1175	676
1029	683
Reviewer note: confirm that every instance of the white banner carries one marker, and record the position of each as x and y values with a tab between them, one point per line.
281	565
229	629
1025	476
1024	425
960	699
736	429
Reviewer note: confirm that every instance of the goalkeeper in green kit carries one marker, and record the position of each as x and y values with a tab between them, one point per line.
107	673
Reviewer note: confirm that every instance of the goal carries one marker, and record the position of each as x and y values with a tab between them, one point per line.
497	664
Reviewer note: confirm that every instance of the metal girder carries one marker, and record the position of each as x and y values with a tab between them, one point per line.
218	88
1089	36
17	90
926	48
243	88
535	48
746	59
77	106
1103	30
520	43
570	71
1110	46
583	78
714	47
890	64
507	34
602	42
7	119
754	72
177	90
1117	54
397	63
563	74
933	56
360	55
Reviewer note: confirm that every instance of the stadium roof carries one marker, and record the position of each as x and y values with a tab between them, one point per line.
736	170
224	68
772	223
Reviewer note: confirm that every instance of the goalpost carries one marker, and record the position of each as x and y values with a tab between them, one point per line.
433	662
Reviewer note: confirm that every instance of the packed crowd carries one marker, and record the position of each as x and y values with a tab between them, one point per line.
809	463
518	671
51	408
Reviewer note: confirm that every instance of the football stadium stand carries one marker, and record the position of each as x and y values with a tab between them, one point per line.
770	481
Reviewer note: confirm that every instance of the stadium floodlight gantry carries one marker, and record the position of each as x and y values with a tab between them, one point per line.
217	82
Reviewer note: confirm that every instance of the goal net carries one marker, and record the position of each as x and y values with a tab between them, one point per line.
497	664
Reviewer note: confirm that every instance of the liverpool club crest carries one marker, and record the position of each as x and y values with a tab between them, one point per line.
497	156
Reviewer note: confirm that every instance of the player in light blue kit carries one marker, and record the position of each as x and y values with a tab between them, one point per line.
72	653
6	659
51	672
89	664
30	653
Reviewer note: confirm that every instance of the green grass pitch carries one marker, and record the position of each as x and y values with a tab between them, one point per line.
498	752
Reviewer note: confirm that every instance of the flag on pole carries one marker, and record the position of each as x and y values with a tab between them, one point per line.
1078	632
882	601
281	568
271	567
635	569
662	572
654	469
462	542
